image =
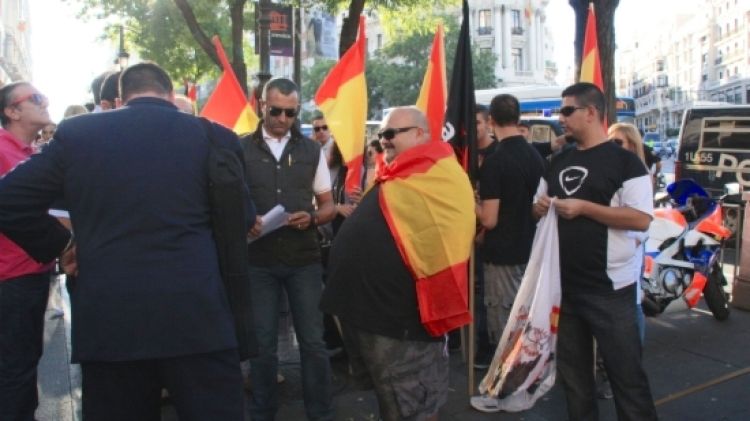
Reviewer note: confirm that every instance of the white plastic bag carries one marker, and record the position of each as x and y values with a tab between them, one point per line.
523	368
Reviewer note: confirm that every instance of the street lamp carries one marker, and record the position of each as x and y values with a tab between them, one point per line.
122	55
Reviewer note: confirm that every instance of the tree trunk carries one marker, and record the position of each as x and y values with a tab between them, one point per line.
236	9
350	25
605	26
238	56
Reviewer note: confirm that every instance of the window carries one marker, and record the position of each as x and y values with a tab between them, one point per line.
516	15
485	18
517	58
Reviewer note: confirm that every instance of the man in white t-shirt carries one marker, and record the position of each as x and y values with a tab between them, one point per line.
602	193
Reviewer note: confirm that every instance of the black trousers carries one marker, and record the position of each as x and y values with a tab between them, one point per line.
202	387
23	301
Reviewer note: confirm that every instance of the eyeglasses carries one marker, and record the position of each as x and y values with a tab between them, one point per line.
568	110
35	98
276	111
319	128
389	134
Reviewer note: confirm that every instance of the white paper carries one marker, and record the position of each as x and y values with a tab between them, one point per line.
274	219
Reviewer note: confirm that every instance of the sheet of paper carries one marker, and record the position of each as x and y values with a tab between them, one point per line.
274	219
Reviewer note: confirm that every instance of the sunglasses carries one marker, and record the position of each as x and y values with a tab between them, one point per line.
618	141
568	110
319	128
389	134
36	99
276	111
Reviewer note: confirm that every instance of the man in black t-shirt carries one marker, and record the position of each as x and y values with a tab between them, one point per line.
601	192
508	181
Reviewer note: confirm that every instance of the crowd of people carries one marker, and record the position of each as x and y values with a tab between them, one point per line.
122	198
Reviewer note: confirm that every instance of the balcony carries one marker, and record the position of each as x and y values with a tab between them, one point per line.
485	30
516	30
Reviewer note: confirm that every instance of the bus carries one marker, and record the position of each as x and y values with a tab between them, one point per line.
546	101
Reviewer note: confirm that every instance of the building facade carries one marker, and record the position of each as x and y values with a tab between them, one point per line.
15	41
700	55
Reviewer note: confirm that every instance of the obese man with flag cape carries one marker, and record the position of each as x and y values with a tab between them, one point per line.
398	268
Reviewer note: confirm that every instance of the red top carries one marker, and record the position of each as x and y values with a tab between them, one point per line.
14	262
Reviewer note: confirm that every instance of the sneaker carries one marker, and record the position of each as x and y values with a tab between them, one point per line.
485	403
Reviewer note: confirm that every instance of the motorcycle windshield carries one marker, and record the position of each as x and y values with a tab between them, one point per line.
683	189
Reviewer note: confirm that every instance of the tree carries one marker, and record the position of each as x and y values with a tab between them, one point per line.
176	34
605	25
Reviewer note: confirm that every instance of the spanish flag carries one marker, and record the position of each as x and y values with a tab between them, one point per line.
434	91
591	68
428	204
342	97
228	104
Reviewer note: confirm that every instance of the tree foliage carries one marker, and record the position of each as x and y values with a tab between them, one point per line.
395	73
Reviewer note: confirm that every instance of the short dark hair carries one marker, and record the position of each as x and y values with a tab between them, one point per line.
7	97
110	87
505	110
587	95
96	86
376	144
144	77
281	84
317	115
482	109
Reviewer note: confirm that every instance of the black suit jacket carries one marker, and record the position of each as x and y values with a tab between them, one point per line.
135	182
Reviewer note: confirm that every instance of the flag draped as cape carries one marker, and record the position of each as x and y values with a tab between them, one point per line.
428	204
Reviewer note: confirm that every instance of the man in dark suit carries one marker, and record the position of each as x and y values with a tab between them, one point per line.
148	307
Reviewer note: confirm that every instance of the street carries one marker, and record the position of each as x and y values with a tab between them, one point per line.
698	369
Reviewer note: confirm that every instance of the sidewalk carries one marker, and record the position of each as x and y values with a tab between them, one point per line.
686	354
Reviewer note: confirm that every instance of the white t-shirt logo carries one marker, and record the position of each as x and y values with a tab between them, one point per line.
571	179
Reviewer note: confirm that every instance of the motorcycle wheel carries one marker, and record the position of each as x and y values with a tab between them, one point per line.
714	293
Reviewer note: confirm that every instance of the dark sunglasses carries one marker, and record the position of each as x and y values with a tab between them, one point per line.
276	111
568	110
618	141
389	134
319	128
36	99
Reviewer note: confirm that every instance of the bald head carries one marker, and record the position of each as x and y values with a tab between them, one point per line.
402	129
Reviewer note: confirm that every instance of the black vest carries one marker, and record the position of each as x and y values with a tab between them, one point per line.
288	182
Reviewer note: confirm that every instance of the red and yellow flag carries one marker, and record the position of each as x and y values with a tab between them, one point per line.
434	91
428	203
228	104
591	68
342	97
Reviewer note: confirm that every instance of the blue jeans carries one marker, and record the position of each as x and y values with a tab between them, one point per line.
303	287
23	301
610	318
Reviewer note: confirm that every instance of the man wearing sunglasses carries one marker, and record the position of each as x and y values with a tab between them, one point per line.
24	282
370	285
602	192
321	133
285	168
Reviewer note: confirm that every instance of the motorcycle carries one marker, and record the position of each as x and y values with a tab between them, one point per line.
683	250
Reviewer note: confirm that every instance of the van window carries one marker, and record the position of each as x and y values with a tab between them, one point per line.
725	133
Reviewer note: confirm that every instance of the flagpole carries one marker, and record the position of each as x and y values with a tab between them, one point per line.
472	280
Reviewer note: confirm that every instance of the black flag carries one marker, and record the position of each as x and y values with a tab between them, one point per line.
460	127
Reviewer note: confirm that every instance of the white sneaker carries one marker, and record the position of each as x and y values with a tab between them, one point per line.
485	403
